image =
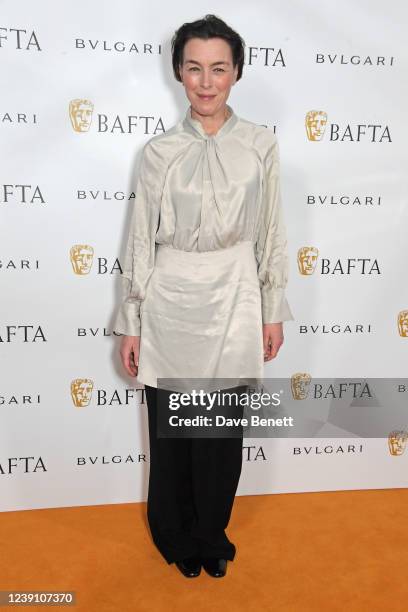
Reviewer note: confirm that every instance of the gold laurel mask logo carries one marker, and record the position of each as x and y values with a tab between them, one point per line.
81	391
403	323
81	256
300	383
306	259
315	122
80	114
397	441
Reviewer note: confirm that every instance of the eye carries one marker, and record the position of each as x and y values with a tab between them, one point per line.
193	68
220	69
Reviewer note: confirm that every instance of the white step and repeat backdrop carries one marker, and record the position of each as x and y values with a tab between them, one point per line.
83	88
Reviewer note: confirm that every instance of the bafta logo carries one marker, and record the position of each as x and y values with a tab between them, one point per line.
81	391
397	441
403	323
81	256
315	124
307	258
80	113
300	383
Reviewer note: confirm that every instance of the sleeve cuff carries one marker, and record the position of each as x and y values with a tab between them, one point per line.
275	307
127	321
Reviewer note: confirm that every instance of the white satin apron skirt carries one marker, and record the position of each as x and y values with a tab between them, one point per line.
201	319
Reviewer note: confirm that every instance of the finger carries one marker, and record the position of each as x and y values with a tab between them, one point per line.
135	361
135	364
275	350
129	364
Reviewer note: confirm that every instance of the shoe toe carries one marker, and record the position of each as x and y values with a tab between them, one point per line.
215	567
190	567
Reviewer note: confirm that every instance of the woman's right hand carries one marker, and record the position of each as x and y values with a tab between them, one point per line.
129	353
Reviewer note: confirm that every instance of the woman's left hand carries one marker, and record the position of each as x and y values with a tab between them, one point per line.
272	339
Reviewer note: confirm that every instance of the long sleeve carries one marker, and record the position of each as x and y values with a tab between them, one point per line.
271	240
140	247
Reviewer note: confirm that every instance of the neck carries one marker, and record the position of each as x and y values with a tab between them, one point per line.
212	123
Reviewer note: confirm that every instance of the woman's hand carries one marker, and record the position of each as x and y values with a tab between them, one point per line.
129	353
272	339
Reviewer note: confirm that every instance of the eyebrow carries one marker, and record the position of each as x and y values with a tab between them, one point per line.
213	64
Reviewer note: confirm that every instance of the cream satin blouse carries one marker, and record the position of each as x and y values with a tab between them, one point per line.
200	192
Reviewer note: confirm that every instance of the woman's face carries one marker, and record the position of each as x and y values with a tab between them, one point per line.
208	74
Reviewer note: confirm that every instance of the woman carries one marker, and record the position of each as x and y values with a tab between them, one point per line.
204	276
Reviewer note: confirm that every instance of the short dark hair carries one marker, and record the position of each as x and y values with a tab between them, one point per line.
210	26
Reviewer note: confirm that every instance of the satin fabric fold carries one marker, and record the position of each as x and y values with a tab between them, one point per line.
201	320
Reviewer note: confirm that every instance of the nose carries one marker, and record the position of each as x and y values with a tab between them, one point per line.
206	79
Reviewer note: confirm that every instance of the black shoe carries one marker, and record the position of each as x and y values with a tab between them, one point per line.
190	567
215	567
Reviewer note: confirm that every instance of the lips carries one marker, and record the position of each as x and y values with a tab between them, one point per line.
206	97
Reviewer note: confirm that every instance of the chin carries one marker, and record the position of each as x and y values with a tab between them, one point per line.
208	105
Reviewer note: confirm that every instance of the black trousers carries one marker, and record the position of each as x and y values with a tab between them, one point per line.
192	486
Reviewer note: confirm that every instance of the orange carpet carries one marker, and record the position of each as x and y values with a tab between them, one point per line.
343	550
